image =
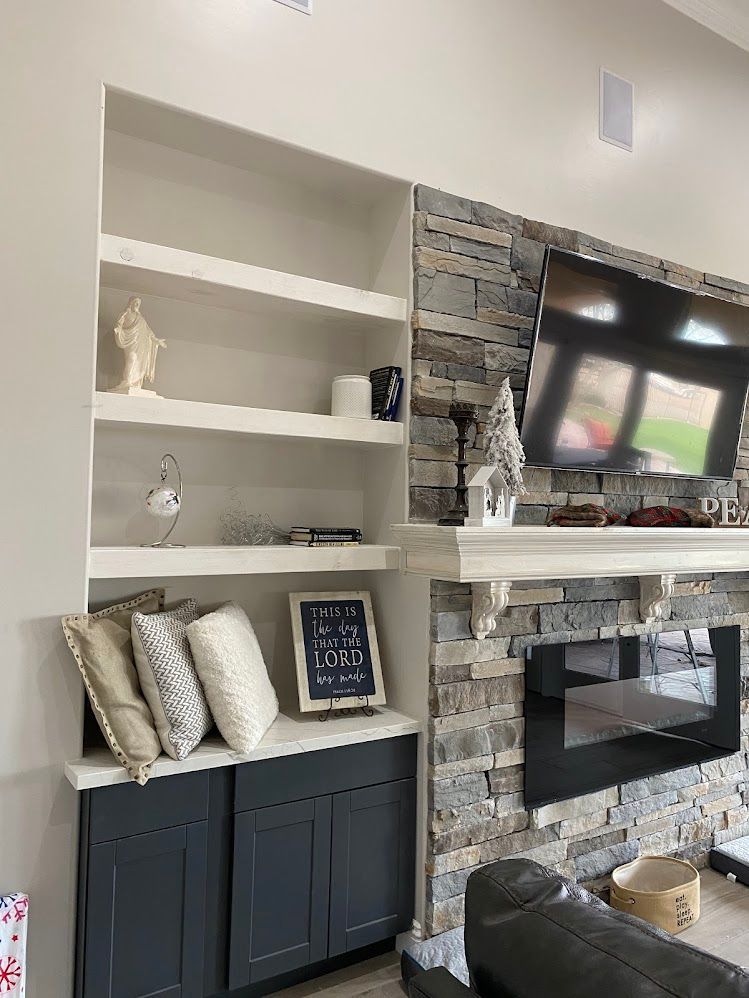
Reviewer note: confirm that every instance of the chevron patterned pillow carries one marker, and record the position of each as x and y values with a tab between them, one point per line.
168	678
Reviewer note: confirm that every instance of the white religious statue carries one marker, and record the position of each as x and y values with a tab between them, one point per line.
137	340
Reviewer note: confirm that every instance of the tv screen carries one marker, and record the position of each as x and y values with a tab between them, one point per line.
629	374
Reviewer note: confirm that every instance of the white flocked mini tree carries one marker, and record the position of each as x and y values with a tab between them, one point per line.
502	447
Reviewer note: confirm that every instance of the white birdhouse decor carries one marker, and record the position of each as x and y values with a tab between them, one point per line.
489	500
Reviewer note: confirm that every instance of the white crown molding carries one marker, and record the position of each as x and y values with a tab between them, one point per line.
720	17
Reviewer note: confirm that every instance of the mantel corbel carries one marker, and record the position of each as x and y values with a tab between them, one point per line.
655	591
490	599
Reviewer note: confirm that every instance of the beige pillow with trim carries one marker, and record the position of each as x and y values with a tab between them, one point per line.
102	647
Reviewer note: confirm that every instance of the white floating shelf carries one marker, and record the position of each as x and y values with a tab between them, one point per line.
132	409
159	563
165	272
289	734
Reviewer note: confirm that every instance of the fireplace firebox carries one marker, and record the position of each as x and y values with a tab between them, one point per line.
600	713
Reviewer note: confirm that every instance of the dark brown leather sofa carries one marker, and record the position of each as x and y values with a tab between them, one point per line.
533	934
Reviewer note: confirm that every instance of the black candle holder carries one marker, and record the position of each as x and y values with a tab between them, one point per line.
464	415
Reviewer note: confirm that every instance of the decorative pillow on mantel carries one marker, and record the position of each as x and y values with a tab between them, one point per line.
101	645
231	668
168	678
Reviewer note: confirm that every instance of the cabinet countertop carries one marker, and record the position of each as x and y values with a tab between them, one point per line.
290	734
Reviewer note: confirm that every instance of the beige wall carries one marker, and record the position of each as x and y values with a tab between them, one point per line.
490	98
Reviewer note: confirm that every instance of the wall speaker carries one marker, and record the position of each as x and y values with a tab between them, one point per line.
616	115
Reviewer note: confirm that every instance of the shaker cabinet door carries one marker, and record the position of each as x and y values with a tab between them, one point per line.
145	928
372	866
281	876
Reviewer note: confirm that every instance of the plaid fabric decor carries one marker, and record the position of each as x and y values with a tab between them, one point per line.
669	516
586	515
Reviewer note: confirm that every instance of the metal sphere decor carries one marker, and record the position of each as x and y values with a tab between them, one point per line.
165	502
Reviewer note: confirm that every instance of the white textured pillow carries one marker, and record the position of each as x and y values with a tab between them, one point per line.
168	678
231	668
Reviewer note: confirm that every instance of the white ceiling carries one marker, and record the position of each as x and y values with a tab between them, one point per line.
729	18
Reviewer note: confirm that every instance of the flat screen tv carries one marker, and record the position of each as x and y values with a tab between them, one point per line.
634	375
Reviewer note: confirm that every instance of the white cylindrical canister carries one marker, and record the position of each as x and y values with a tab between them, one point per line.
352	396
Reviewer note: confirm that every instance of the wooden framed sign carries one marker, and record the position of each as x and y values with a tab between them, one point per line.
335	645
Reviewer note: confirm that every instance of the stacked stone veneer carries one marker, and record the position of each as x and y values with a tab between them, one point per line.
476	278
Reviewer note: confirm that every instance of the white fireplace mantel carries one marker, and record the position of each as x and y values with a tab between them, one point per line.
493	558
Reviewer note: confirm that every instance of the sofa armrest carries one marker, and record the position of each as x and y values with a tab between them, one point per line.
438	983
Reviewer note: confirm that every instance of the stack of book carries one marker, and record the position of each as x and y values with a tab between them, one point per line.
325	537
387	386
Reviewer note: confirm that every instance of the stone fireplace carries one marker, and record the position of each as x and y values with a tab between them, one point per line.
476	278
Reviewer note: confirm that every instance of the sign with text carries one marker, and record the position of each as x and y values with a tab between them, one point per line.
335	645
731	514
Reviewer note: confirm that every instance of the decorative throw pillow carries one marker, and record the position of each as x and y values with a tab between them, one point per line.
231	668
168	678
101	645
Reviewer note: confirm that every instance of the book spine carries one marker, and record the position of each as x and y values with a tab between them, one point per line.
325	531
393	410
377	378
305	538
388	398
326	535
325	544
390	393
381	379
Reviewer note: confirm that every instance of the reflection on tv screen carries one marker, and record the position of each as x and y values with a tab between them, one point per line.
634	375
672	429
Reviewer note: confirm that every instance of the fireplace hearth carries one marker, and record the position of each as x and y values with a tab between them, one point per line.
602	713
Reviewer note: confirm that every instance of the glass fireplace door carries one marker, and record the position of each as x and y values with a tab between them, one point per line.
600	713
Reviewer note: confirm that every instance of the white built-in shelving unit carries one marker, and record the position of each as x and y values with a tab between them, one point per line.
269	270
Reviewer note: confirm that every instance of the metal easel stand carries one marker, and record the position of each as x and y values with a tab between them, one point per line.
346	711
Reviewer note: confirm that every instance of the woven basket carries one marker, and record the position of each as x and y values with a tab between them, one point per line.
661	890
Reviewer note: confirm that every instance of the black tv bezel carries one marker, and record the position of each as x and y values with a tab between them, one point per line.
534	341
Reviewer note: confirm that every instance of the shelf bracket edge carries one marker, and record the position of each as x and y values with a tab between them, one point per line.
490	599
655	591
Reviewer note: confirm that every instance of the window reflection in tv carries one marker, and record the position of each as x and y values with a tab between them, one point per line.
634	375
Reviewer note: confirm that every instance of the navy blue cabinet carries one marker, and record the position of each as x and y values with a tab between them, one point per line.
144	915
280	890
372	865
215	884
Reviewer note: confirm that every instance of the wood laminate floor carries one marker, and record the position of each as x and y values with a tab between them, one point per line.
377	978
723	929
723	926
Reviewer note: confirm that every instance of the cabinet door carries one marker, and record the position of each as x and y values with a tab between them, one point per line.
372	866
145	915
280	886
